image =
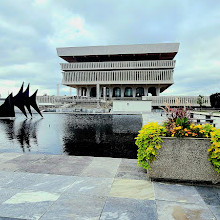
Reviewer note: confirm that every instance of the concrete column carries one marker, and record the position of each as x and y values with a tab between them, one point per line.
97	91
88	91
80	91
145	91
104	93
122	91
134	91
157	91
77	91
110	92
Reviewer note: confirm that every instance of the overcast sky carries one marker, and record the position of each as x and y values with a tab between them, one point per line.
31	30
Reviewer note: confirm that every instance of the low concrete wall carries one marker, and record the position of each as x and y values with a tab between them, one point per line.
131	106
184	159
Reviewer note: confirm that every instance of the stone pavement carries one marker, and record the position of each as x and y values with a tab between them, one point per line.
49	187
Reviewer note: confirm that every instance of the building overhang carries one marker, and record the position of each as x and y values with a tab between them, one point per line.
119	52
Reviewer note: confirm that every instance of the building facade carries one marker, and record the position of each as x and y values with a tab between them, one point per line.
120	71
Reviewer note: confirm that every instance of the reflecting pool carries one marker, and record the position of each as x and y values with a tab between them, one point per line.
72	134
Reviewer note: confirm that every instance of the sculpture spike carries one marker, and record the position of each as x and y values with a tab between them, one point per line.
26	99
7	108
19	100
33	103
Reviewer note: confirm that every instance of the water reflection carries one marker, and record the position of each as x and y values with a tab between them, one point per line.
24	133
86	135
8	128
102	135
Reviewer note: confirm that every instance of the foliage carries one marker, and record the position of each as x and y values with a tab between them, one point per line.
177	125
215	100
198	131
214	150
200	100
174	113
148	141
176	117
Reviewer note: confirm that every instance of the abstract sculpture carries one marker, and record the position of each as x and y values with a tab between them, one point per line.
21	100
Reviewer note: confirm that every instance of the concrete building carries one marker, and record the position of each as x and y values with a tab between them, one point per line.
119	71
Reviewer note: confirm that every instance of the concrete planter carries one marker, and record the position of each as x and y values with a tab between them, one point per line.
184	159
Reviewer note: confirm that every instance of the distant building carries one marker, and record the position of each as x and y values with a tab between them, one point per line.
119	72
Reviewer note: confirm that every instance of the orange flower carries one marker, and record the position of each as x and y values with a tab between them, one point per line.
193	134
186	134
189	132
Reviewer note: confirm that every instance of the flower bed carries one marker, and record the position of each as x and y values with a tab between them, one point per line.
191	151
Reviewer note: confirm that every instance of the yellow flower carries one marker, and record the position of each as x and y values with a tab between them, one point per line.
191	126
178	128
172	135
186	134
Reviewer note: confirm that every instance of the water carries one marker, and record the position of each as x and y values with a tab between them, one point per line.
76	134
72	134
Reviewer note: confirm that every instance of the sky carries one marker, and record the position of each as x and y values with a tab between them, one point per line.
31	30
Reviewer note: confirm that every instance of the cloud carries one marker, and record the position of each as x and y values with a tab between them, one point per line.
30	31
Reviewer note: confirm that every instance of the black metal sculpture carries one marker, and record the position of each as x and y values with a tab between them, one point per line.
21	100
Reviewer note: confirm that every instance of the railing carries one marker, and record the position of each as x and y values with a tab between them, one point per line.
63	99
52	99
123	76
155	64
176	100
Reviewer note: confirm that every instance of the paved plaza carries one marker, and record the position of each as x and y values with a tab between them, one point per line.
45	187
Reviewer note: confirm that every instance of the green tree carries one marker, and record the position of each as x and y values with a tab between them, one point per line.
200	100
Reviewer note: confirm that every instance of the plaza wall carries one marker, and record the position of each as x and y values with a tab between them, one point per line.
131	106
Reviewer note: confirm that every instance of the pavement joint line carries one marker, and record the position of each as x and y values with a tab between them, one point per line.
117	169
155	200
103	208
212	213
52	204
86	167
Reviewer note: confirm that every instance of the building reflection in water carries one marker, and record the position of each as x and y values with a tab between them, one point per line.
24	133
101	135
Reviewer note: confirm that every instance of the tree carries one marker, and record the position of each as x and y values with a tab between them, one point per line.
200	100
215	100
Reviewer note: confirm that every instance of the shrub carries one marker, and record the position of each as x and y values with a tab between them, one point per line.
148	141
214	150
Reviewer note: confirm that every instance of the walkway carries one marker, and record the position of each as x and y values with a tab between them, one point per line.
50	187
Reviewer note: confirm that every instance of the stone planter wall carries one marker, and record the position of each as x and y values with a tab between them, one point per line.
184	159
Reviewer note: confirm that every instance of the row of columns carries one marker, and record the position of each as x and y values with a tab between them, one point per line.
82	92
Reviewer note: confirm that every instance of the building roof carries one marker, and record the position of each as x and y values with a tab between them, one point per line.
118	49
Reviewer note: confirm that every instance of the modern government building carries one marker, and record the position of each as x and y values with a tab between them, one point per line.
119	72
